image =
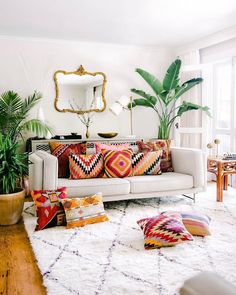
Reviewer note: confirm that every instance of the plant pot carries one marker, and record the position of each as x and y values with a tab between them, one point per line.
11	206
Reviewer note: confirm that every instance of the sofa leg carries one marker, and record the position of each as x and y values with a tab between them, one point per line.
189	197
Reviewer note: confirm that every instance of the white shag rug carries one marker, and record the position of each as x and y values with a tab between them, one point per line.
109	259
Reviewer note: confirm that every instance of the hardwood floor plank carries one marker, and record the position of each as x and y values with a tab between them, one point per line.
19	273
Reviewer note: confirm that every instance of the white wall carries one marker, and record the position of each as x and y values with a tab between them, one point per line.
28	64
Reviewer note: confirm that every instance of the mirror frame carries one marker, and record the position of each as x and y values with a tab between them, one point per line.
81	72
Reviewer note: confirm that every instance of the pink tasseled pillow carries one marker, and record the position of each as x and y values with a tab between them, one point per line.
111	147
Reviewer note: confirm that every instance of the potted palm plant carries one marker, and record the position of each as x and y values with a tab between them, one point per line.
14	120
165	95
13	167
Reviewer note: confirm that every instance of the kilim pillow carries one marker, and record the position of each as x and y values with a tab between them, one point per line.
48	207
160	144
196	223
83	211
118	163
147	164
86	166
163	230
62	151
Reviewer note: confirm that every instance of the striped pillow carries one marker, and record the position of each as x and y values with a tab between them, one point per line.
147	164
196	223
82	211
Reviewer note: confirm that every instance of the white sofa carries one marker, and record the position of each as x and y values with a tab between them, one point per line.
189	177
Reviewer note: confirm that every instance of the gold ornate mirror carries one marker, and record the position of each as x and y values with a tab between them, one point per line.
80	91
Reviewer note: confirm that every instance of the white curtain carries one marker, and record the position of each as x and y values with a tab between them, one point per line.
219	59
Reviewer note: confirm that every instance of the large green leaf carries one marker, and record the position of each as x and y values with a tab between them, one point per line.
38	127
30	102
171	79
188	106
149	97
187	85
153	82
141	102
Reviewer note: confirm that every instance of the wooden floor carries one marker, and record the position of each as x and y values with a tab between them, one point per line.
19	273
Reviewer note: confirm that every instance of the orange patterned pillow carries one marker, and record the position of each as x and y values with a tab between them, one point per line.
83	211
118	163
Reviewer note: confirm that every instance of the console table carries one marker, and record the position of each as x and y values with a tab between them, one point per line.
222	169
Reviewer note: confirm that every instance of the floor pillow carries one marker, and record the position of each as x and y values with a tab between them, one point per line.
62	151
118	163
48	207
146	163
163	230
196	223
86	166
83	211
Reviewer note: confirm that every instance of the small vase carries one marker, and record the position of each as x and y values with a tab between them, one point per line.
87	132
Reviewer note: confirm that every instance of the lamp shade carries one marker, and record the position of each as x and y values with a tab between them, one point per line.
40	114
119	105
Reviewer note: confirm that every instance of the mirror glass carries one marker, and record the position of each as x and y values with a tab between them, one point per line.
80	91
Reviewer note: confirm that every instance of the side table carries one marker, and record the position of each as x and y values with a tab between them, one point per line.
221	168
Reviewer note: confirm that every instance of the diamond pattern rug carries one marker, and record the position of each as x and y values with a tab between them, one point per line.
109	258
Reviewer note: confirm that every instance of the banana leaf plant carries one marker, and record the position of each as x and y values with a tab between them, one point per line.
165	95
14	112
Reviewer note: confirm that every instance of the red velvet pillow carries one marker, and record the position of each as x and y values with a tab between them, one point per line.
48	207
62	151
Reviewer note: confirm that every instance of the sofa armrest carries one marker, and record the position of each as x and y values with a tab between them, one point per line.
43	172
191	162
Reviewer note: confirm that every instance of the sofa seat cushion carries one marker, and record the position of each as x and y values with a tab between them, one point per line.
85	187
157	183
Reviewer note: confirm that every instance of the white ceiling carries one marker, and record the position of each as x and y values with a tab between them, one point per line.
138	22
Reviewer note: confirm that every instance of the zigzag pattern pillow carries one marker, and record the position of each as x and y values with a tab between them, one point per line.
163	230
86	166
147	164
118	163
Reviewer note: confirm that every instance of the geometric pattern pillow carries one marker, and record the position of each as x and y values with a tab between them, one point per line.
62	151
160	144
118	163
86	166
163	230
48	207
83	211
146	164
